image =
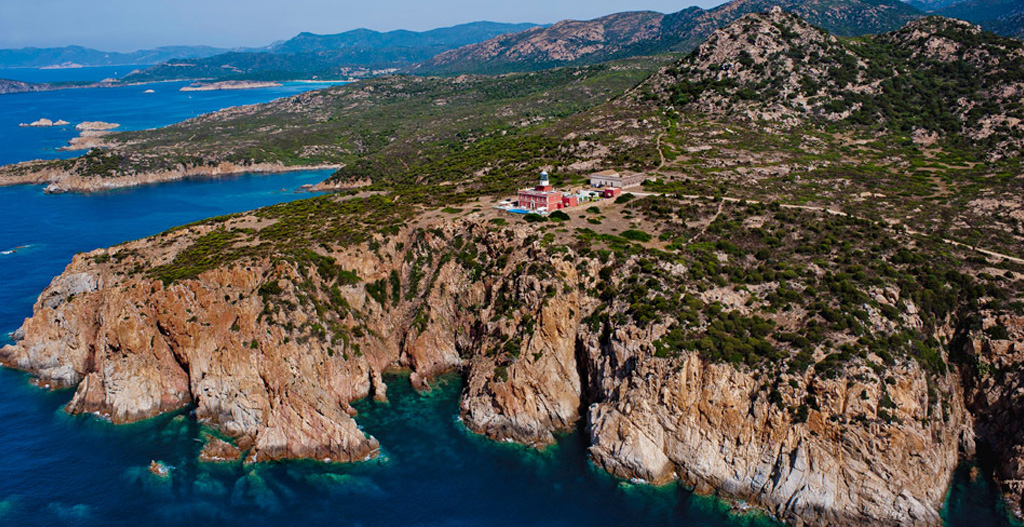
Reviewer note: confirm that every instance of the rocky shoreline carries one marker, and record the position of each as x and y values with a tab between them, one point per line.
248	346
60	180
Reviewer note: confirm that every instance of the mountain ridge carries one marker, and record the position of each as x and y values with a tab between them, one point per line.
359	52
1005	17
633	33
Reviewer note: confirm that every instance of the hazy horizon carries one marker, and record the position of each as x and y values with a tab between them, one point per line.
129	25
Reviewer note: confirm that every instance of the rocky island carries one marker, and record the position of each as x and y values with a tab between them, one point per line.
814	305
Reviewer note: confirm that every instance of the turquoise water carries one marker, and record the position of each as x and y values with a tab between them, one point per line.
64	470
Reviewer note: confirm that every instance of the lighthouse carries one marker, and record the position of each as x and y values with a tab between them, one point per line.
545	183
542	198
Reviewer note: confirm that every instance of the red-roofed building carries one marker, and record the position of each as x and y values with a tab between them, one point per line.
542	197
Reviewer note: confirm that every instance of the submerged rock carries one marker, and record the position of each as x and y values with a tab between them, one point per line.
159	469
217	450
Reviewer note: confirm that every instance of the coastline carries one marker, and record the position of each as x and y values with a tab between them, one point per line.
48	87
59	181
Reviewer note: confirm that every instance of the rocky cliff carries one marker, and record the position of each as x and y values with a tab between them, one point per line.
835	407
995	388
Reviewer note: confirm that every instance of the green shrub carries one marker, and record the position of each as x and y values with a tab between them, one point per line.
637	236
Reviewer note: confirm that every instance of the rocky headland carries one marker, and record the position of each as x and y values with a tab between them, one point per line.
9	86
229	85
815	308
90	135
273	347
59	178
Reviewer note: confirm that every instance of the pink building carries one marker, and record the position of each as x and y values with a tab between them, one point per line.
541	197
611	192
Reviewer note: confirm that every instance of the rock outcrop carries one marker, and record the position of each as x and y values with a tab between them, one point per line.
711	427
778	71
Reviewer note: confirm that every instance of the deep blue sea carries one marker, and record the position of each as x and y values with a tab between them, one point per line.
58	469
91	74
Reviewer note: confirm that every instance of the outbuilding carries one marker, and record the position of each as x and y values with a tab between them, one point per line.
611	178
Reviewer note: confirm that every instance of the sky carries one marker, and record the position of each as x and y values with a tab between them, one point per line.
127	25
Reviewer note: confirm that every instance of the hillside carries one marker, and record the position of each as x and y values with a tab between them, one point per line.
914	80
1005	17
644	33
359	52
381	118
815	305
930	5
81	56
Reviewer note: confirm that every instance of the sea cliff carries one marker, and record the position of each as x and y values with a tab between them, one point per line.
272	346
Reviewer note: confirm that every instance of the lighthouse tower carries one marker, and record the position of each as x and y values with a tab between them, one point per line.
545	183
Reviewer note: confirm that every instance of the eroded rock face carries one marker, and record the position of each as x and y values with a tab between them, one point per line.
271	352
266	365
540	393
995	393
712	427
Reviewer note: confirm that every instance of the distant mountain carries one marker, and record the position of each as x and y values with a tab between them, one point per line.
636	33
1011	25
569	41
930	5
1005	17
360	51
446	38
80	56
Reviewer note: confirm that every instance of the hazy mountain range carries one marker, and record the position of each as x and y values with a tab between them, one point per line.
71	56
491	47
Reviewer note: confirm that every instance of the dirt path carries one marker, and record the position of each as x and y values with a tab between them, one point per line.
661	153
704	229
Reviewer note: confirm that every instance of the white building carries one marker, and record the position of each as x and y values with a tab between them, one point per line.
611	178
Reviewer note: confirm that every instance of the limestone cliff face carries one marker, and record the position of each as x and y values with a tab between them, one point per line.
272	351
